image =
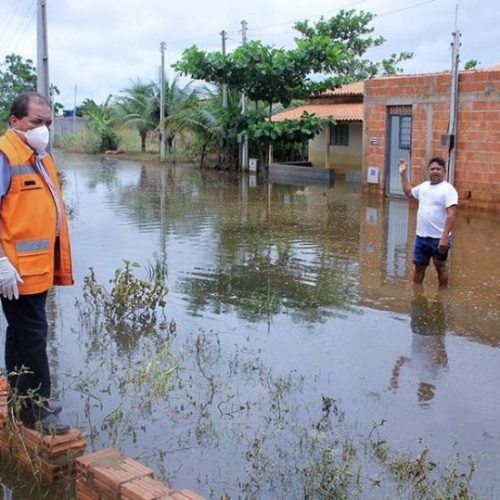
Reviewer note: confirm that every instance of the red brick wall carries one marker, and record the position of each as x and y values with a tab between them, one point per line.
477	167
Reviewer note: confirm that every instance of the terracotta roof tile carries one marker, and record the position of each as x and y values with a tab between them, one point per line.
355	88
341	112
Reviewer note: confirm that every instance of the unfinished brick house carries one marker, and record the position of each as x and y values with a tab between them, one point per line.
407	117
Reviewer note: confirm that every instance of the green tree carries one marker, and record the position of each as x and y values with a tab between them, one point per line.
337	46
327	54
288	130
16	75
102	121
176	98
209	123
472	64
137	106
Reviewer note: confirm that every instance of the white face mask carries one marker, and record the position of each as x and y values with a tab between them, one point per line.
37	138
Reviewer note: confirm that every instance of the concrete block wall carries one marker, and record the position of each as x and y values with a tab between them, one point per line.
477	167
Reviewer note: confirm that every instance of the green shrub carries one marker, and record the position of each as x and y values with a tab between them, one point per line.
109	140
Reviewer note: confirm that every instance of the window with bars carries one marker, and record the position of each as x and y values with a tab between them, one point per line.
339	134
405	132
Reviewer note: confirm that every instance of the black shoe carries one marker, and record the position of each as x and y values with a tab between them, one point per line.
53	406
47	423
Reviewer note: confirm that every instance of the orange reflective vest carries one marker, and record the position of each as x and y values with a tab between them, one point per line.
28	219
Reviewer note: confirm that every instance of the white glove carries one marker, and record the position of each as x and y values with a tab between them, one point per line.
9	278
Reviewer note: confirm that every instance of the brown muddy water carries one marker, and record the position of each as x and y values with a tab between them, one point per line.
295	328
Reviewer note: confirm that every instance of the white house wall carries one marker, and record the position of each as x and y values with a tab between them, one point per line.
341	158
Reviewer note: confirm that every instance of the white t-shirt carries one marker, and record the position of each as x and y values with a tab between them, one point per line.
433	200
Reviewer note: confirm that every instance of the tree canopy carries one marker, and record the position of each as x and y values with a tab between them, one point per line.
16	75
326	54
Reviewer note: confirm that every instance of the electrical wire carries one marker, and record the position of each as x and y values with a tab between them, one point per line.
405	8
256	29
7	21
23	25
312	16
352	4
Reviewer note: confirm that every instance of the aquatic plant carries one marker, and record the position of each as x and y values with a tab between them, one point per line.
129	301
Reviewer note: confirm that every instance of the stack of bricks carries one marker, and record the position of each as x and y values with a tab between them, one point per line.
51	457
4	415
103	475
4	397
107	475
48	457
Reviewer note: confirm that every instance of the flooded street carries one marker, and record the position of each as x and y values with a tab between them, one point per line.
294	324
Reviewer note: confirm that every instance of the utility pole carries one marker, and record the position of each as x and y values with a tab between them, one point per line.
223	34
42	67
162	103
244	107
225	154
452	121
74	112
52	117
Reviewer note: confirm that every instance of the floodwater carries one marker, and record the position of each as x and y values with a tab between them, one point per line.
294	325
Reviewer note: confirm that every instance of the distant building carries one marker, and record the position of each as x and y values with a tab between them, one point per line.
338	146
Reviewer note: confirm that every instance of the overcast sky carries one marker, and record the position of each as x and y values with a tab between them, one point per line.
101	45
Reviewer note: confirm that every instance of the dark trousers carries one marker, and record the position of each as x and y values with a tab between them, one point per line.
26	344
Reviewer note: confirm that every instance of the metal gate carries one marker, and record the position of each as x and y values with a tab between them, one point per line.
396	230
398	146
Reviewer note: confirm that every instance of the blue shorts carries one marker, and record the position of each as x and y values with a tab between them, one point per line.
425	248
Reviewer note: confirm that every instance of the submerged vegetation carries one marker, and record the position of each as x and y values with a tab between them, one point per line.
289	447
130	302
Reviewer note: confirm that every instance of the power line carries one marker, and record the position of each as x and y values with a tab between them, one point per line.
10	16
405	8
22	27
259	28
9	19
352	4
312	16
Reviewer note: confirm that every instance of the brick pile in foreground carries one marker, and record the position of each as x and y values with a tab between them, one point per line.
103	475
107	474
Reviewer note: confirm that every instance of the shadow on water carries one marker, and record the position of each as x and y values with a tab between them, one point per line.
297	331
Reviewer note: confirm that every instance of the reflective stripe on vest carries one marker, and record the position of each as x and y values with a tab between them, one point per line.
23	169
32	245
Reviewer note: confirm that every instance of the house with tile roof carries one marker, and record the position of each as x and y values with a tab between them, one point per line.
340	145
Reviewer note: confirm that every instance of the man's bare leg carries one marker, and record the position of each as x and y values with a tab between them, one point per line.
419	274
442	270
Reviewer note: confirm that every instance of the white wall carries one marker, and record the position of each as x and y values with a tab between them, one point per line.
342	158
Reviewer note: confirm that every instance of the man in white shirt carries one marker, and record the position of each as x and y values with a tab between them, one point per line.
437	208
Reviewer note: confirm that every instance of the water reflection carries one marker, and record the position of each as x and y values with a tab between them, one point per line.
240	244
396	258
261	268
428	359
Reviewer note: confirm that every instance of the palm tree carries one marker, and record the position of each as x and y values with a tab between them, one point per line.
204	118
102	118
202	122
137	106
176	98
